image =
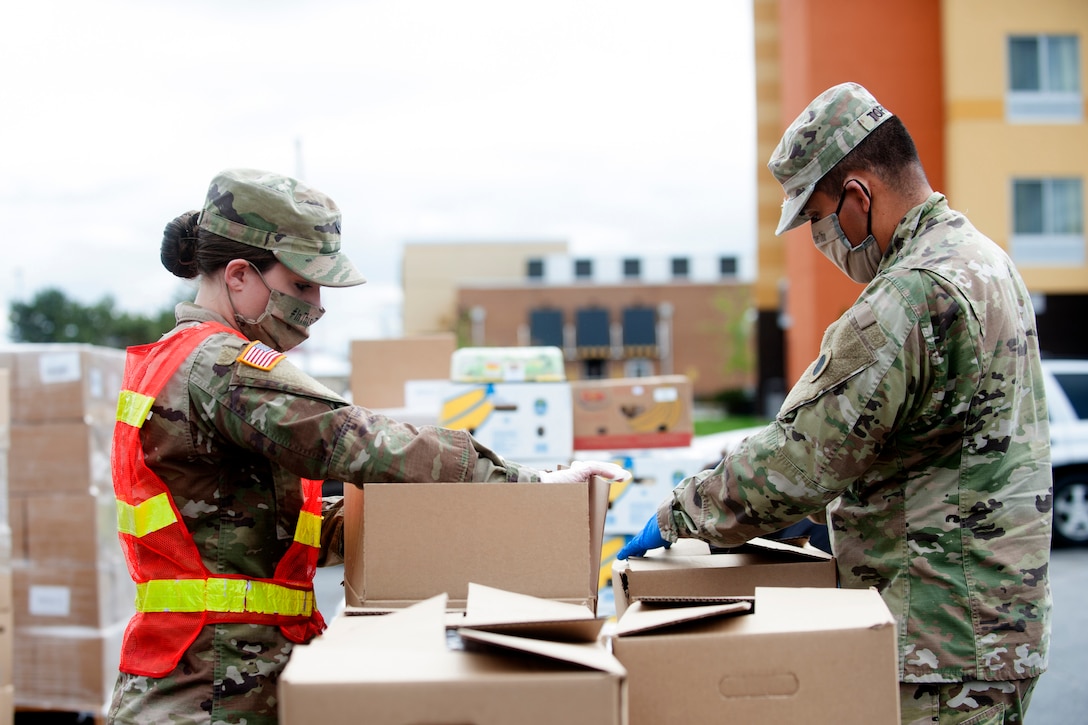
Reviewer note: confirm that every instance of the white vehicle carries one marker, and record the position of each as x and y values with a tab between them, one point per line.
1067	398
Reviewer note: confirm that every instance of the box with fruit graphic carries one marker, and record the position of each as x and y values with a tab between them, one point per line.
626	413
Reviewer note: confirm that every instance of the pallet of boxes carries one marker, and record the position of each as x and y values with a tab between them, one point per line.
72	592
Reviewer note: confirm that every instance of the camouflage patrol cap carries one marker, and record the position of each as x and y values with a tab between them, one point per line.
298	224
831	127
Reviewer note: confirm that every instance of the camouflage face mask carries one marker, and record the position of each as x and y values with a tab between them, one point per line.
860	262
285	322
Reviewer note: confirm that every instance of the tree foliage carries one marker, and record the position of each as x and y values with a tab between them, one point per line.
52	317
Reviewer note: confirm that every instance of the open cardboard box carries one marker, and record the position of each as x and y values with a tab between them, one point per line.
689	569
407	542
780	656
523	660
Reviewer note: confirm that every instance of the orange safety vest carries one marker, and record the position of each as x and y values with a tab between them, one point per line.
176	595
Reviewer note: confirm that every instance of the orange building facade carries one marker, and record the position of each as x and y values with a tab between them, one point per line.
804	47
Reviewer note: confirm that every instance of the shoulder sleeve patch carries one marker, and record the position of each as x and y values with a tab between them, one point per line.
258	355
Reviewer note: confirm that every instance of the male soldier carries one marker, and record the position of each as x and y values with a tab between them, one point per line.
921	427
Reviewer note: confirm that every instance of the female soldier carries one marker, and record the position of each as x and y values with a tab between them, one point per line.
220	449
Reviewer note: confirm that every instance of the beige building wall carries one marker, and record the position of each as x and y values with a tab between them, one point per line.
432	272
984	151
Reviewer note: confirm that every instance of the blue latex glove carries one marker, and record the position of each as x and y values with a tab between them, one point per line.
649	538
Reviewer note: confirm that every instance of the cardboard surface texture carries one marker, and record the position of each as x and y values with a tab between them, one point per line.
380	368
688	569
647	412
5	410
783	660
413	541
55	382
67	669
403	668
71	457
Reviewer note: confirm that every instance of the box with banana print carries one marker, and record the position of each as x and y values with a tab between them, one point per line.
627	413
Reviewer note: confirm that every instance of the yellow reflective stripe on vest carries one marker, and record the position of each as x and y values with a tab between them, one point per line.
222	595
153	514
308	531
133	408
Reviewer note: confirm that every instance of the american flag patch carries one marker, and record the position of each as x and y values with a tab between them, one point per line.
258	355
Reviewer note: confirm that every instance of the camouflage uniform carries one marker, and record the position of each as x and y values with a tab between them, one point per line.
922	430
231	442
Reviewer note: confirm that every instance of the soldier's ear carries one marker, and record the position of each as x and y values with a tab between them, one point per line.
234	274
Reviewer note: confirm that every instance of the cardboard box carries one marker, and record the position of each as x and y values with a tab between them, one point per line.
63	382
620	413
67	529
542	364
512	662
689	569
655	472
92	595
380	368
7	647
5	410
780	658
413	541
7	704
518	421
67	669
71	457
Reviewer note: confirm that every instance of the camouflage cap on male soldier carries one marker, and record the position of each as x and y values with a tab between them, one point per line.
831	127
298	224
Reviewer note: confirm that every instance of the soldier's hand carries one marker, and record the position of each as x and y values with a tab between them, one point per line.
584	470
649	538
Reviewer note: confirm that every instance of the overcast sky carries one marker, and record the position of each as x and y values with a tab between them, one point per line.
611	124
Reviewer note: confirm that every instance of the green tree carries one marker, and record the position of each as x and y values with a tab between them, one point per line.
52	317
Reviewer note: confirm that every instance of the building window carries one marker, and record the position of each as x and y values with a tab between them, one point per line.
640	332
680	268
594	369
727	266
1048	222
534	269
592	335
583	268
632	268
638	367
546	327
1044	79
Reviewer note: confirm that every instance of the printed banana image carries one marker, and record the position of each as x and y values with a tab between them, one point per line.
468	410
660	417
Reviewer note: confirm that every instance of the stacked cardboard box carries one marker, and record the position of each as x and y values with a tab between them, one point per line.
644	425
72	593
7	679
514	400
633	413
778	656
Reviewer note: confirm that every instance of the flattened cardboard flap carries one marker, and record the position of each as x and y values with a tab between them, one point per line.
787	549
502	612
421	626
642	617
590	656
